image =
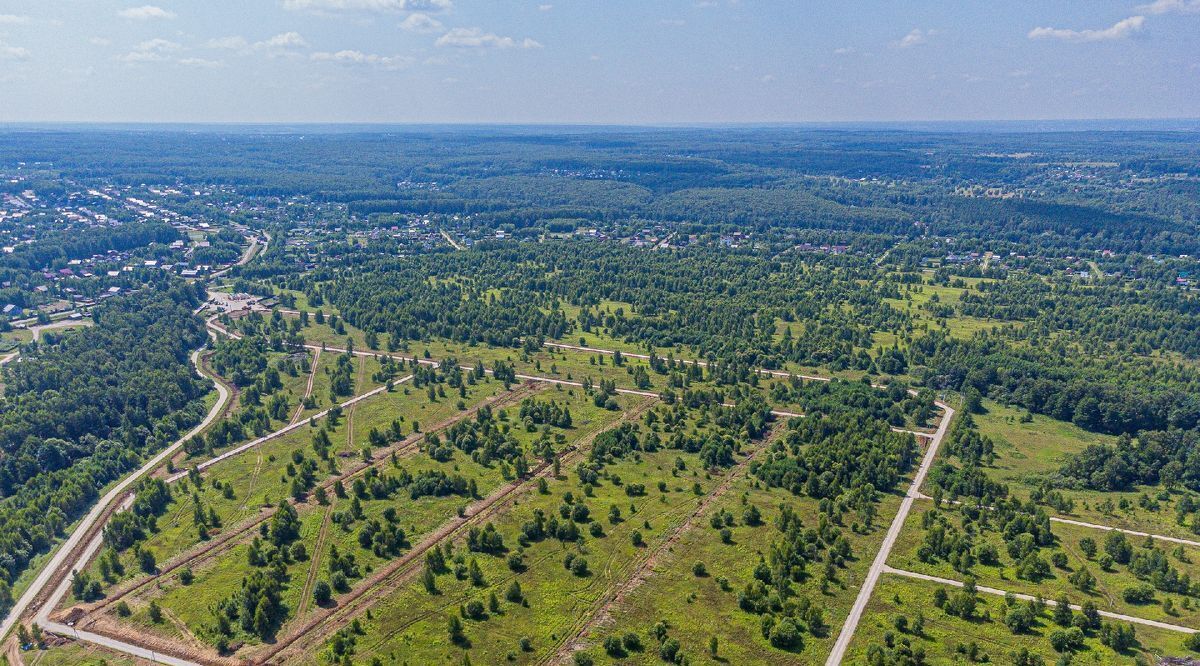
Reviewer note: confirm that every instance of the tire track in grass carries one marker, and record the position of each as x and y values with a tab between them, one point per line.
315	562
601	611
312	375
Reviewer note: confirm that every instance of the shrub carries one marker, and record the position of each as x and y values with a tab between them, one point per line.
1138	594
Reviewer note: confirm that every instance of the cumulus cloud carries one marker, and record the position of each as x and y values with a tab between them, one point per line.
284	40
13	19
1119	30
478	39
419	22
201	62
232	42
368	5
151	50
915	37
1171	7
283	44
10	52
351	57
145	13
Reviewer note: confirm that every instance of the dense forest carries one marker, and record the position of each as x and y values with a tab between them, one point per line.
81	412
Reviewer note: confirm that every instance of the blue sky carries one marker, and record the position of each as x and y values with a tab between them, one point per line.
596	61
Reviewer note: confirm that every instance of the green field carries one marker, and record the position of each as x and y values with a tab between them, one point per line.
1028	452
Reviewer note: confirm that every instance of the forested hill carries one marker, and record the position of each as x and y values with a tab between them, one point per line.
81	411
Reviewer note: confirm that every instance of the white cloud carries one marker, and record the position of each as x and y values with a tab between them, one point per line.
1118	30
201	62
545	8
476	38
151	50
232	42
100	41
350	57
419	22
145	12
10	52
284	40
13	19
845	50
1171	7
914	37
766	78
368	5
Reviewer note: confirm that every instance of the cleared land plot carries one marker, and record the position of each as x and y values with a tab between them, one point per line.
943	634
1110	584
410	625
698	608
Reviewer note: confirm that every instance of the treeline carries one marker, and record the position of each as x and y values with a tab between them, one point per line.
506	294
1104	394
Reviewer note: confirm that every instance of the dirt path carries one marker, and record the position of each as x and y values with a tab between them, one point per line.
12	652
601	611
312	376
580	447
450	239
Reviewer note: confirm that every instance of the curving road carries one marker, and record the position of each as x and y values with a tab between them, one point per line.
69	554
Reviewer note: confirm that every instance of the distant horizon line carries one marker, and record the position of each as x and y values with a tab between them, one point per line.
1180	124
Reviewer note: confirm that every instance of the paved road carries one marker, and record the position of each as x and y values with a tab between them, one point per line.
1026	597
450	239
282	431
67	555
880	563
251	252
113	644
1094	526
62	323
